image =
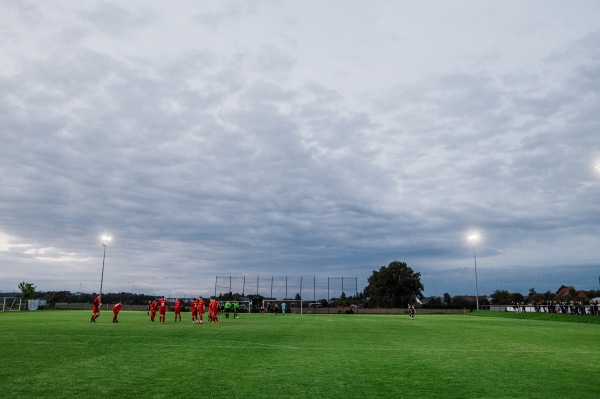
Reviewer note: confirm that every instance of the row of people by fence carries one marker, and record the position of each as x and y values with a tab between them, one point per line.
564	307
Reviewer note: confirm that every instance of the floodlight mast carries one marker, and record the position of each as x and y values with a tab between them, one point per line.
105	240
473	239
598	169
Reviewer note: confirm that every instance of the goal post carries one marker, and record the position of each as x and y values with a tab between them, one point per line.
245	304
11	304
291	305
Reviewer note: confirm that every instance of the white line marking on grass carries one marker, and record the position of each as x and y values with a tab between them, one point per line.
261	345
256	344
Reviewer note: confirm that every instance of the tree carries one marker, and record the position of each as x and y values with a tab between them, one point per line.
435	302
501	297
516	297
548	296
460	302
593	293
447	299
53	297
393	286
27	290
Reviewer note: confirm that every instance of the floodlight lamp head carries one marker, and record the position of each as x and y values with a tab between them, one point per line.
105	240
473	238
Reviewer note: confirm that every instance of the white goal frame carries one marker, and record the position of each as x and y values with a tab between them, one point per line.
292	304
247	303
9	303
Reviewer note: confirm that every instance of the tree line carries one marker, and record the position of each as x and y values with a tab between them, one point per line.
392	286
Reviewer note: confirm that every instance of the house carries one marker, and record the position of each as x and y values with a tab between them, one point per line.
570	291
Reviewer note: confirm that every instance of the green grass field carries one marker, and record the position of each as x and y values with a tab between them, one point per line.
60	354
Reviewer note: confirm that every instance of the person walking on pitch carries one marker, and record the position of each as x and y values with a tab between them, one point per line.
95	309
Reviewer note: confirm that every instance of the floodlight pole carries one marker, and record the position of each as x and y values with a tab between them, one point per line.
476	284
105	239
474	238
103	258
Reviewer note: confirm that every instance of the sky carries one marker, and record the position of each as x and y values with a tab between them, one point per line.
309	141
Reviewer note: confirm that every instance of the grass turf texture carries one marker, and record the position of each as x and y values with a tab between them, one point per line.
60	354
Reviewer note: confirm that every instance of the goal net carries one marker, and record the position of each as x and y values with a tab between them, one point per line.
291	305
244	305
11	304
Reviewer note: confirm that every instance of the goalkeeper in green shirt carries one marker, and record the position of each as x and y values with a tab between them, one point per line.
227	309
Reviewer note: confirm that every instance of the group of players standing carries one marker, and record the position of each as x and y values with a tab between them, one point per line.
161	305
197	306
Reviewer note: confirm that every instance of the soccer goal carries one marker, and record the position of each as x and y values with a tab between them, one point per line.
291	305
11	304
245	305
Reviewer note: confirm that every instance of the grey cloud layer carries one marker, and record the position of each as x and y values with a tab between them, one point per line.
203	162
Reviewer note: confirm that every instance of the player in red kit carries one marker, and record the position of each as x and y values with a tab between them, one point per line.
177	309
163	304
152	310
153	306
200	309
213	308
116	309
95	309
194	306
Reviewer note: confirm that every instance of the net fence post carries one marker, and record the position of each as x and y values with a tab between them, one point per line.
301	301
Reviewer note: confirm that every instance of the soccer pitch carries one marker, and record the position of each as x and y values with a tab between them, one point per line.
60	354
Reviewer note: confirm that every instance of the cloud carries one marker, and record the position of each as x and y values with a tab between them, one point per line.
203	161
229	11
115	20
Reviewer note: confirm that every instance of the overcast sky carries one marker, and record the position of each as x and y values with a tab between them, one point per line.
302	139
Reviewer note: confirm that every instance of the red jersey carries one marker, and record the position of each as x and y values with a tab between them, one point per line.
96	305
201	306
194	306
153	306
177	306
162	305
117	307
